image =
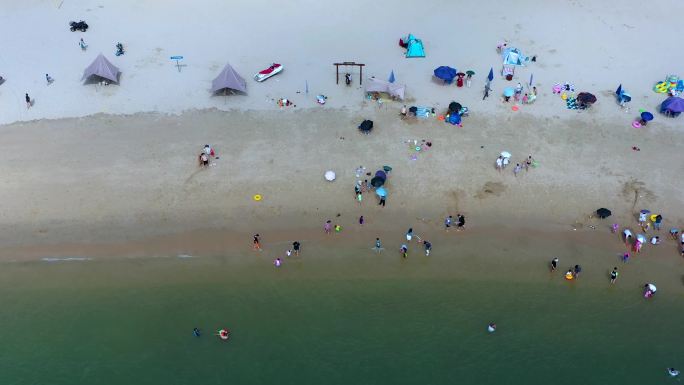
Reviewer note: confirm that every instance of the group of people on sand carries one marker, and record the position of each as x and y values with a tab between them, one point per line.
427	245
449	222
296	248
503	161
635	243
205	156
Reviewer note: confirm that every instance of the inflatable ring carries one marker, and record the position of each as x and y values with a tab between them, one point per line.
636	124
661	87
514	108
569	276
257	197
441	117
654	217
224	334
417	148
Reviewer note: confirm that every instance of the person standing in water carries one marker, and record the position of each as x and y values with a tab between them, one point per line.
404	251
295	246
554	264
578	270
613	275
257	245
409	234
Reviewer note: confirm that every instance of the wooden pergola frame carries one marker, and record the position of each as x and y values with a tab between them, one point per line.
348	63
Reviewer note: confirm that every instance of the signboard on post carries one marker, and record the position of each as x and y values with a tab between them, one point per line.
177	59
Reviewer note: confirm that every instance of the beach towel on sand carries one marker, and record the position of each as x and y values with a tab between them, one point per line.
571	103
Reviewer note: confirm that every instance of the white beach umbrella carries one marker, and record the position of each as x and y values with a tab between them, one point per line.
641	238
505	154
330	175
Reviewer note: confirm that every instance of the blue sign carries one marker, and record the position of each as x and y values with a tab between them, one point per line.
176	57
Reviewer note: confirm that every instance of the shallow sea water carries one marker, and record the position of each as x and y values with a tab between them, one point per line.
348	320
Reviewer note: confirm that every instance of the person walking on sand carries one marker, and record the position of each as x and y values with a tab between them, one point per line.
428	247
295	247
613	275
628	237
517	169
409	234
82	44
49	79
657	222
461	222
203	160
486	91
361	220
447	222
327	227
528	162
499	163
404	251
614	228
28	101
378	245
256	241
382	202
554	264
625	257
674	232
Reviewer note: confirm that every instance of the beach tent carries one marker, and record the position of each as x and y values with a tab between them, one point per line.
414	47
377	85
672	106
103	68
229	79
513	56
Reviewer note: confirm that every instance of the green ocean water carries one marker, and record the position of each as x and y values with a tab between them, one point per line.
320	322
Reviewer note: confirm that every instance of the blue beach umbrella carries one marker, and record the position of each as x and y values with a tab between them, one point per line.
509	91
445	73
619	90
380	191
646	116
391	78
491	74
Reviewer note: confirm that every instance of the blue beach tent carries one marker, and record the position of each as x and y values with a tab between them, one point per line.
414	47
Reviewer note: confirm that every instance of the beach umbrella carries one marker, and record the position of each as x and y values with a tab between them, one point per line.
330	175
641	238
445	73
454	107
531	77
673	105
651	287
508	91
380	191
646	116
619	90
645	211
505	154
381	174
603	213
391	77
387	168
490	77
470	72
377	181
460	74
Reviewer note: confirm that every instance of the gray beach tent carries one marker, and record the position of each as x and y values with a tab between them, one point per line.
103	68
229	79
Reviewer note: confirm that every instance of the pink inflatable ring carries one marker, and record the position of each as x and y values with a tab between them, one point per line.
636	124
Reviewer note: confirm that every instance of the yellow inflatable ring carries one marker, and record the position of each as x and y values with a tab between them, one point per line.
661	87
653	217
257	197
569	276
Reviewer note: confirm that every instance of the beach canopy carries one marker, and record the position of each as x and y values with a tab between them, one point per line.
393	89
381	192
103	68
445	73
603	213
513	56
414	47
229	79
672	105
455	107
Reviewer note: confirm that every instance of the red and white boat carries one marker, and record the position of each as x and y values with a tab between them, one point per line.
268	72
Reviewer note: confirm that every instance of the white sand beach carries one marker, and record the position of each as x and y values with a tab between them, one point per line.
99	164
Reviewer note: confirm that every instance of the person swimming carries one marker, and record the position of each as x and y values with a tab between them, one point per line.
196	332
673	372
491	327
277	262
